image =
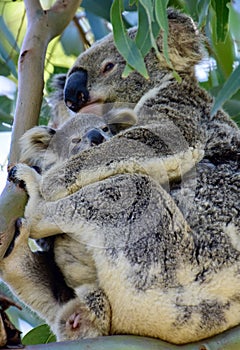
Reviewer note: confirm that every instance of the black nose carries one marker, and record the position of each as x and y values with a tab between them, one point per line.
95	137
75	91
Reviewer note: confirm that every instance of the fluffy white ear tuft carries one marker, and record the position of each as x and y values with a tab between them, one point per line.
34	144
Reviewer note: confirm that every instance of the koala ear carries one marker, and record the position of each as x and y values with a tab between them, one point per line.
34	143
120	119
184	41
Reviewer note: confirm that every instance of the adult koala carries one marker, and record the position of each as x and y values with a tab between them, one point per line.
167	264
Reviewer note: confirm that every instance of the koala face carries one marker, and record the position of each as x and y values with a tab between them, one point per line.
43	146
88	84
96	77
77	135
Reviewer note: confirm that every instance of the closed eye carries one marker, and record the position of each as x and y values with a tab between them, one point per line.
76	140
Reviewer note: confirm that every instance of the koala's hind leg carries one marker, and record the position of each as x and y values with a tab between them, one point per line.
31	276
86	316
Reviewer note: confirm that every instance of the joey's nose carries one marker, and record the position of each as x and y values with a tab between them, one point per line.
75	92
95	137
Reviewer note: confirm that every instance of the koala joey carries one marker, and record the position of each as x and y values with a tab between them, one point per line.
41	148
44	146
164	258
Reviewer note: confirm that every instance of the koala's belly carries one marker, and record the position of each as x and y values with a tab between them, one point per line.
179	314
74	261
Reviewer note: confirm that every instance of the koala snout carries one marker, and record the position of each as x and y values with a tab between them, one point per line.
96	137
75	91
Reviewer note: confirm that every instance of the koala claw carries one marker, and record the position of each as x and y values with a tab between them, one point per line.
12	177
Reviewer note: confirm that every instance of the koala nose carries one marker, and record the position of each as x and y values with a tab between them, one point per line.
75	91
95	137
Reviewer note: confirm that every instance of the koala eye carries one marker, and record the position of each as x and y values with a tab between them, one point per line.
108	67
105	129
76	140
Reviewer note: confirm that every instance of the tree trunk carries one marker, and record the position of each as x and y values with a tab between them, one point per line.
42	27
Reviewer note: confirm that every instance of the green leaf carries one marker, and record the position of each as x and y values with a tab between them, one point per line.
70	41
6	104
4	69
202	8
100	8
98	25
221	9
231	85
125	45
234	20
162	19
7	34
5	56
5	113
190	7
39	335
161	16
143	38
130	5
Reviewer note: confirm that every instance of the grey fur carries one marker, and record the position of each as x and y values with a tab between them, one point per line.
155	208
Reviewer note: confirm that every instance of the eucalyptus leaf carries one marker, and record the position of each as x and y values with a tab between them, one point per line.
7	34
230	87
39	335
221	9
202	10
100	8
150	18
161	16
130	5
70	41
4	69
190	7
143	38
234	20
8	61
6	104
125	45
98	25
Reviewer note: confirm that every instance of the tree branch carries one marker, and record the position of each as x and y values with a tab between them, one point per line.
42	27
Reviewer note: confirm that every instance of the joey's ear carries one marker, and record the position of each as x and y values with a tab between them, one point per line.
120	119
34	143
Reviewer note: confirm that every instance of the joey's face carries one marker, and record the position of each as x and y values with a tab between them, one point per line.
96	79
75	136
90	137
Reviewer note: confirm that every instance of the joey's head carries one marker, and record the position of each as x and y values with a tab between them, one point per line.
96	77
43	146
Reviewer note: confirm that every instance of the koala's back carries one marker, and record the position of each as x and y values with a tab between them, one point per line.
184	279
165	272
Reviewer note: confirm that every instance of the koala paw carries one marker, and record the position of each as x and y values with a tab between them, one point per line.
13	177
26	177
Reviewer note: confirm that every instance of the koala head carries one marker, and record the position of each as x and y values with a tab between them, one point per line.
43	146
96	77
